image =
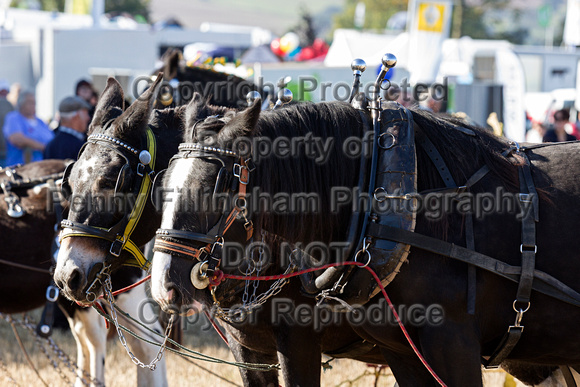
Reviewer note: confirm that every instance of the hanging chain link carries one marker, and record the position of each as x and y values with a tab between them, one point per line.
83	376
107	286
232	315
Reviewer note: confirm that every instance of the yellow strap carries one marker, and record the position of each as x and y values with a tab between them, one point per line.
138	260
144	190
128	245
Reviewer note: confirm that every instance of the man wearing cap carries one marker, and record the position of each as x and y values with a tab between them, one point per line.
70	135
26	135
5	108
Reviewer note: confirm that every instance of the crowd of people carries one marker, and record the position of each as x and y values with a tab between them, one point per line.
25	137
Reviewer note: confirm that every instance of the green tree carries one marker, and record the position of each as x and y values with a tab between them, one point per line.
45	5
377	13
132	7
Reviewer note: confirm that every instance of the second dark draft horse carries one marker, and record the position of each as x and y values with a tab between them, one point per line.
455	345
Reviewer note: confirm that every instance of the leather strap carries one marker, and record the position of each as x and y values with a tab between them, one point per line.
545	283
528	249
568	377
507	343
451	185
44	327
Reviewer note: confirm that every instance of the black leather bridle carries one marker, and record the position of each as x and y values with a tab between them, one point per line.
176	242
119	234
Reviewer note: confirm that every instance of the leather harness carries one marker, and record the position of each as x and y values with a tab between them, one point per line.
119	235
527	277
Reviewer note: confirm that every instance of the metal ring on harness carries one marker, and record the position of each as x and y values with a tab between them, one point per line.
394	141
382	83
363	251
378	190
52	293
241	203
520	310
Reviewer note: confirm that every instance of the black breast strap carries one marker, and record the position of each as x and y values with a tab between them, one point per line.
450	183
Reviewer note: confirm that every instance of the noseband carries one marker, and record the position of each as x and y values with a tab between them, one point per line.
120	234
170	241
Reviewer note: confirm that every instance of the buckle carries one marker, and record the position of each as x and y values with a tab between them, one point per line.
140	169
238	172
250	165
528	248
525	197
116	247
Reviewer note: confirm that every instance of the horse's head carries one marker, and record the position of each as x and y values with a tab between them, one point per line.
194	221
104	186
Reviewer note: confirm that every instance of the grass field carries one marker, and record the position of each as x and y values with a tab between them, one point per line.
120	371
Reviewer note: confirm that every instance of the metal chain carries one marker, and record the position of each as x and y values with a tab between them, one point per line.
259	267
62	357
107	286
81	374
187	352
53	362
228	314
252	267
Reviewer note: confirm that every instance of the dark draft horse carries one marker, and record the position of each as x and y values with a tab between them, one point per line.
27	240
96	173
453	347
27	257
217	88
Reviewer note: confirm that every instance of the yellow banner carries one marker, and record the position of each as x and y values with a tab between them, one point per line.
431	16
82	7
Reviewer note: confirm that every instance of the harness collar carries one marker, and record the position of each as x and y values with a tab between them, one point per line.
120	234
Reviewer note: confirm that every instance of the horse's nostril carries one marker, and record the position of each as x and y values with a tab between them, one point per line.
174	299
74	280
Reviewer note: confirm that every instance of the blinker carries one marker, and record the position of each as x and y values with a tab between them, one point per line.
222	181
65	189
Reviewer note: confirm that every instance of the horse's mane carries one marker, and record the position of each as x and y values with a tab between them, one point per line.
303	174
464	154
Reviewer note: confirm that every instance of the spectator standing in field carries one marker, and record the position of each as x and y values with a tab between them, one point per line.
559	134
536	133
26	135
86	91
5	108
71	133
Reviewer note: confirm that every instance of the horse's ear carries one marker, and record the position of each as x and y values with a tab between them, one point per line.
111	103
192	110
172	64
243	124
137	115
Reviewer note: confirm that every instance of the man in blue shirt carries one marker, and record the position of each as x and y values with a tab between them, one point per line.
70	135
26	135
